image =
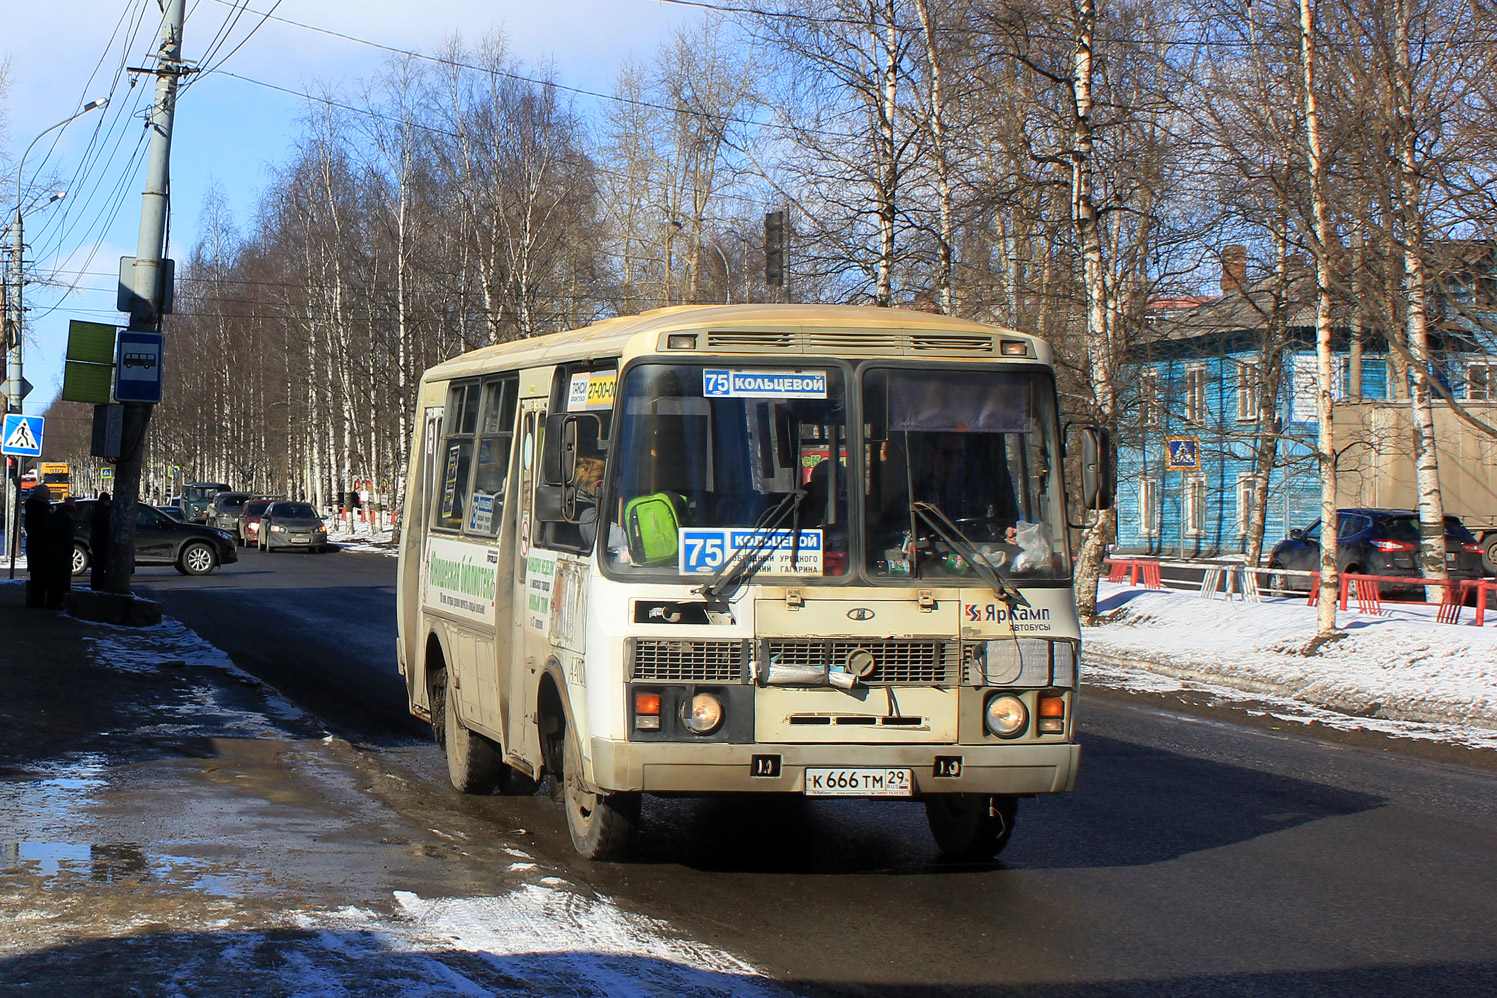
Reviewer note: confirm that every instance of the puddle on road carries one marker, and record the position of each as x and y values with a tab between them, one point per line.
59	863
60	805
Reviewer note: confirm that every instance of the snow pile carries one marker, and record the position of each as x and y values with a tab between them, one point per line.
538	940
1401	665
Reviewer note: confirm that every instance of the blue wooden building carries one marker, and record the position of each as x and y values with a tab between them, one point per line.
1196	410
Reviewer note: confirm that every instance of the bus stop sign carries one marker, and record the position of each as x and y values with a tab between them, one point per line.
138	367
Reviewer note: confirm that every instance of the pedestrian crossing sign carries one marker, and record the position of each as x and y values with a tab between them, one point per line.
1182	454
21	435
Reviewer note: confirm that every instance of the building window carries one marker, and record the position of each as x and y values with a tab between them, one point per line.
1244	502
1148	397
1248	382
1195	393
1195	506
1148	507
1480	385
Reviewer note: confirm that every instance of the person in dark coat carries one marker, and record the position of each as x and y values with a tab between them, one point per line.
38	543
60	552
99	524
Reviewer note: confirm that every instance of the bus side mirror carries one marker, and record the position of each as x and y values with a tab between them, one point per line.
549	500
568	434
1098	479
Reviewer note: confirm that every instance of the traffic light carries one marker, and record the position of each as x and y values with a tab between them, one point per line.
774	249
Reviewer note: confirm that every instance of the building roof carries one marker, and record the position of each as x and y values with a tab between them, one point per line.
1238	313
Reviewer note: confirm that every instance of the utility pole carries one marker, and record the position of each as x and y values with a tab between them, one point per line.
145	313
12	481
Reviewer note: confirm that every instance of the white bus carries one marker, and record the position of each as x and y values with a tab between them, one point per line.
743	549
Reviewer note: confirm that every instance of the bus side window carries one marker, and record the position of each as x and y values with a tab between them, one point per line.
455	484
591	459
494	446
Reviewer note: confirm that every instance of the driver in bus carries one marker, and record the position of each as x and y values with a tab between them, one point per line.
964	488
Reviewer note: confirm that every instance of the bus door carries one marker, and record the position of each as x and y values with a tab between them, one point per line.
534	572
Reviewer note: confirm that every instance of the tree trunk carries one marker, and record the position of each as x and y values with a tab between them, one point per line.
1330	577
1426	464
1098	345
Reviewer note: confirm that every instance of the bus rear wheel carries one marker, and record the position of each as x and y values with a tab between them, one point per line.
474	764
601	825
971	826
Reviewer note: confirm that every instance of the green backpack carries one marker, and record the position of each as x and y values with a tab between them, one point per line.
651	523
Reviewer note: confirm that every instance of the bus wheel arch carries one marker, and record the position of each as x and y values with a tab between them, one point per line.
601	824
552	717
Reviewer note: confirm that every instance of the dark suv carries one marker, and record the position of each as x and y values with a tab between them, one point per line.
191	549
1378	542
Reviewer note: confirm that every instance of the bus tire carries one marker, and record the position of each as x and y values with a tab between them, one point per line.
474	764
971	826
601	825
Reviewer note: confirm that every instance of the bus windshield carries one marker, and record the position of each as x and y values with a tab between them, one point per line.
979	450
720	465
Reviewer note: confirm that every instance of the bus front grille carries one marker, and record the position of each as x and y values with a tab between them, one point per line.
896	662
661	661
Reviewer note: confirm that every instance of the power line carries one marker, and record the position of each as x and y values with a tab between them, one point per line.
521	78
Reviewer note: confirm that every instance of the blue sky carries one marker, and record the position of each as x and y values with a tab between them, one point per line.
228	131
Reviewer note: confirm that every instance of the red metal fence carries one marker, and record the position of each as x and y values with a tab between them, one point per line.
1366	589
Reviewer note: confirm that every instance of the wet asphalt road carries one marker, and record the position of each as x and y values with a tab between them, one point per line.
1199	855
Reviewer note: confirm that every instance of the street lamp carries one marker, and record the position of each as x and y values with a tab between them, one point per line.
17	248
13	333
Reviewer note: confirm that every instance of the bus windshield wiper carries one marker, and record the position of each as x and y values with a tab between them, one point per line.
962	544
751	557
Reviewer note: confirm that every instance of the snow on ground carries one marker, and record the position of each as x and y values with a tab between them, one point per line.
557	941
366	537
1400	672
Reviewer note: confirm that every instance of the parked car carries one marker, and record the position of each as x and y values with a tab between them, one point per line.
249	520
196	497
224	509
173	512
287	524
159	540
1377	542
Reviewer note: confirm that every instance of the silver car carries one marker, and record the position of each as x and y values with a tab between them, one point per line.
290	524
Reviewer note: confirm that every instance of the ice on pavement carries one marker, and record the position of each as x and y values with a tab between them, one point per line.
1400	672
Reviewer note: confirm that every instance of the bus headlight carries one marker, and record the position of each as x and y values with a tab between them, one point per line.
1006	716
703	714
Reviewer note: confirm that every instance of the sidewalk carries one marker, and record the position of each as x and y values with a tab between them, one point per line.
1400	673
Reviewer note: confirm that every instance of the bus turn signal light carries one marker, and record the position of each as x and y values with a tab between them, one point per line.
1052	715
647	711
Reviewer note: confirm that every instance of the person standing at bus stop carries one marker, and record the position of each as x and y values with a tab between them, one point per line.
100	521
38	545
60	552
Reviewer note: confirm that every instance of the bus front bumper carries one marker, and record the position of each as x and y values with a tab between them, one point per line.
675	767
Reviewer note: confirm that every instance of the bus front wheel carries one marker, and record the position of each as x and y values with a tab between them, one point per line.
971	826
601	824
473	762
